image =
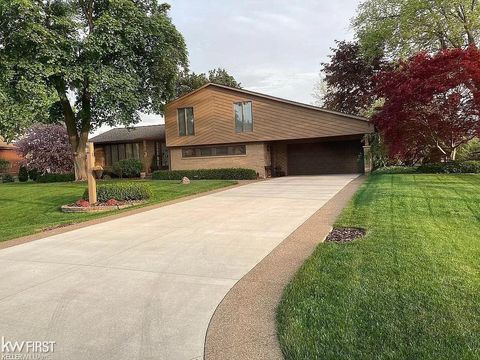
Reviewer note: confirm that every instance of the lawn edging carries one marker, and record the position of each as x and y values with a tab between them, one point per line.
243	325
123	213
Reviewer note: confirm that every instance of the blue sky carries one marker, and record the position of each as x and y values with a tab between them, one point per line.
270	46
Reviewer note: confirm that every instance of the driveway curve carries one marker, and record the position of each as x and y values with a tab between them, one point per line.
145	286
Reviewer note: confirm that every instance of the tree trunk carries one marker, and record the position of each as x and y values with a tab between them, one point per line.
77	140
79	162
453	154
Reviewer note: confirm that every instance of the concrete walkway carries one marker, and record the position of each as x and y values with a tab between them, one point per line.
146	286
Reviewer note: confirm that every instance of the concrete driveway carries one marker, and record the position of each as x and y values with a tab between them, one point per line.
145	286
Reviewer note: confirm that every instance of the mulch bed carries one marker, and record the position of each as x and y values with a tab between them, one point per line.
84	206
345	235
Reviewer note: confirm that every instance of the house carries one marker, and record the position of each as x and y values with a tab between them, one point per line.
217	126
9	152
145	143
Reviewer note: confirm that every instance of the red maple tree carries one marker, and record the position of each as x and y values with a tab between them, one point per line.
432	102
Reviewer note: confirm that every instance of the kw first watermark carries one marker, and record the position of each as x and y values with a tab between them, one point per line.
26	350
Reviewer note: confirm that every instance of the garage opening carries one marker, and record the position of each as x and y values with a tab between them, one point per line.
329	157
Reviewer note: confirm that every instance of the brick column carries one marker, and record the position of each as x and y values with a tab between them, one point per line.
367	159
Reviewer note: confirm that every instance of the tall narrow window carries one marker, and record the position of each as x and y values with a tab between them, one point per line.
243	116
186	124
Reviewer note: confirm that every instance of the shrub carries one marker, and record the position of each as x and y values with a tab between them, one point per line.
33	174
128	168
395	170
23	174
470	150
206	174
4	165
452	167
7	178
121	191
52	177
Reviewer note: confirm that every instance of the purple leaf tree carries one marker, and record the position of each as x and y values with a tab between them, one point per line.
47	149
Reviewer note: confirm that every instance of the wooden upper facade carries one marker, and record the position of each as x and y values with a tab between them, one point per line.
273	119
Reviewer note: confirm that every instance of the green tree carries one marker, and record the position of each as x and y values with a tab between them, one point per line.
401	28
93	61
190	81
222	77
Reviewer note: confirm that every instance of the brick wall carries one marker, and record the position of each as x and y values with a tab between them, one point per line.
256	158
14	158
280	157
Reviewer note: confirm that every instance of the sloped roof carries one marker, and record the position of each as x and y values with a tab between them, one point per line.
149	132
274	98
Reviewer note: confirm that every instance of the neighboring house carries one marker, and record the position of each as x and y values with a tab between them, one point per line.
145	143
9	152
221	127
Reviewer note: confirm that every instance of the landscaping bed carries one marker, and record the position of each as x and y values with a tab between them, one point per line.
345	235
410	289
82	207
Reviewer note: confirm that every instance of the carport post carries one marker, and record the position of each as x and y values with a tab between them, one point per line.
92	182
367	159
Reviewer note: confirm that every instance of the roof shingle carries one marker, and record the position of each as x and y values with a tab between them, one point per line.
149	132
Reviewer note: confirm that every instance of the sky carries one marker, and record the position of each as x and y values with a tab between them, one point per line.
270	46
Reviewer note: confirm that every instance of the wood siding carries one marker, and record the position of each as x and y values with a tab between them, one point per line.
272	120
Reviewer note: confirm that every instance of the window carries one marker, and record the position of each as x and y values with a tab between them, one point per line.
116	152
185	122
214	151
243	116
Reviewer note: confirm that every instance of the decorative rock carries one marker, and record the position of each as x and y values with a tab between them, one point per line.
185	180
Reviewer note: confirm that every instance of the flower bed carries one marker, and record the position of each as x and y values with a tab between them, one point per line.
109	205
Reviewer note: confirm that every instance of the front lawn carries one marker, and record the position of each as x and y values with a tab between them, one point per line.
29	208
409	290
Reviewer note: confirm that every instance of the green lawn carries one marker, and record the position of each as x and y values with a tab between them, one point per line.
27	208
409	290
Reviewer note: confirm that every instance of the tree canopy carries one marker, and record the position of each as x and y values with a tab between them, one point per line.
401	28
432	102
189	81
349	79
46	149
93	62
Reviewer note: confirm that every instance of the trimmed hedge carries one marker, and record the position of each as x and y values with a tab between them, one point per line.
7	178
206	174
395	170
452	167
23	174
129	168
33	174
122	191
52	177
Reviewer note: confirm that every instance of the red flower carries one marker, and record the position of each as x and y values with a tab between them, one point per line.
82	203
111	202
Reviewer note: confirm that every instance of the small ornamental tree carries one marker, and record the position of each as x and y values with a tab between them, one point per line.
432	103
47	149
